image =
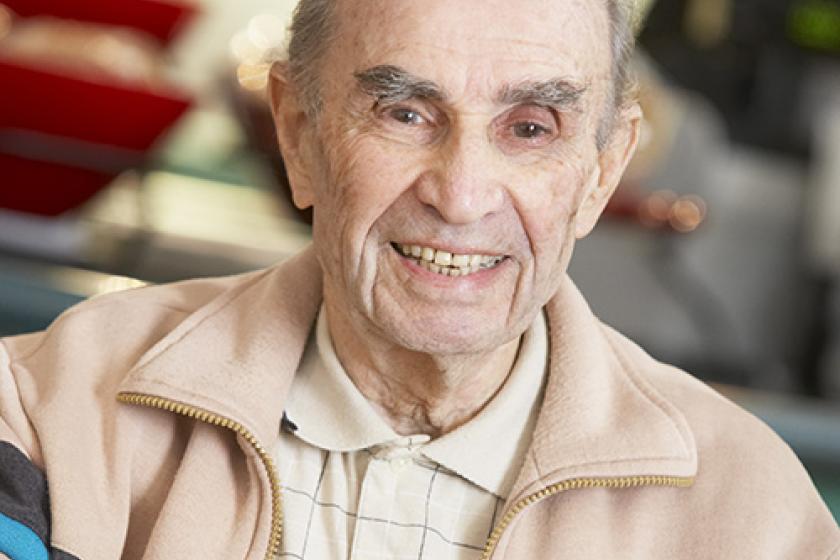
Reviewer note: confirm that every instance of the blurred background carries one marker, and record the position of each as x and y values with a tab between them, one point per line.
136	147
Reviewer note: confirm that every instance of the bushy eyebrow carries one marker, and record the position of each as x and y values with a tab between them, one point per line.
559	93
392	84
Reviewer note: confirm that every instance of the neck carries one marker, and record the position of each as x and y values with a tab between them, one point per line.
416	392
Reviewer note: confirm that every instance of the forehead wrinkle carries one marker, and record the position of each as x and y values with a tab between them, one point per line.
389	83
559	93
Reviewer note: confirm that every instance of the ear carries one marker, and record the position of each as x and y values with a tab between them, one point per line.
292	125
612	161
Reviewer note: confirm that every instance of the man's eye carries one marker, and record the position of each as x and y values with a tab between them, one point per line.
407	122
529	130
407	116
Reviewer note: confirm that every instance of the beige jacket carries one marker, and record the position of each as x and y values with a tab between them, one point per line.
153	415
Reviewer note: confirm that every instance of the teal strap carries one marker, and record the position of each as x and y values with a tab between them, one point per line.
19	542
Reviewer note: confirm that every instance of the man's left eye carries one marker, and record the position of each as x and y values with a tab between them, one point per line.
407	116
529	130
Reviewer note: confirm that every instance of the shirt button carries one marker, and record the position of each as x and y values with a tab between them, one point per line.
399	465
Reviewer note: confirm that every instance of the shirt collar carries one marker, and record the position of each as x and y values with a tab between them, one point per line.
324	404
329	412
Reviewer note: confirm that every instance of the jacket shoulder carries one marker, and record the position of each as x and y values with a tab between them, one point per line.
60	422
715	420
80	360
747	475
139	315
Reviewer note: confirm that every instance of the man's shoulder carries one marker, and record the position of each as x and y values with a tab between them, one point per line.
722	429
182	297
122	323
743	465
713	417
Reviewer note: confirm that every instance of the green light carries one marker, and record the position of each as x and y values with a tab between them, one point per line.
816	24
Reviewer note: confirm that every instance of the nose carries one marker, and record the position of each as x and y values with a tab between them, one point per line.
464	184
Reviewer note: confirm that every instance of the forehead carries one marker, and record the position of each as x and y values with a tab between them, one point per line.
472	46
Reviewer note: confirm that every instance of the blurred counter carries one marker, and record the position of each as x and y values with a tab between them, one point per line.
162	227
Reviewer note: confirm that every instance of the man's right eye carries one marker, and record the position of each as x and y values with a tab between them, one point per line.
409	123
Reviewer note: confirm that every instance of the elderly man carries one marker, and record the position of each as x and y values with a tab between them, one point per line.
424	381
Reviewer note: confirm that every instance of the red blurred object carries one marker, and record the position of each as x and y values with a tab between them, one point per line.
62	138
44	188
162	20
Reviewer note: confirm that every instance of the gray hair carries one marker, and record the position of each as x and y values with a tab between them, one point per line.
310	33
313	27
622	45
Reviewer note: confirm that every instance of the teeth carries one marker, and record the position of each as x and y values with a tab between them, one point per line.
446	263
460	260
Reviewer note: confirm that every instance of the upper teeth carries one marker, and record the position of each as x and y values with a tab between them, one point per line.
446	263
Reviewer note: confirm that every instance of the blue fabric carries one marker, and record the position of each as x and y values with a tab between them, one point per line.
19	542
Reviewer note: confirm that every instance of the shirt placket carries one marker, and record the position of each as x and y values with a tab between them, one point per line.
381	527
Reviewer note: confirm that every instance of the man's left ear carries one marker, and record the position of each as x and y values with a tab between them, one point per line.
612	161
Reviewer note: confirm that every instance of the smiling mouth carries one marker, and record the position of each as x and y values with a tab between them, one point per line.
446	263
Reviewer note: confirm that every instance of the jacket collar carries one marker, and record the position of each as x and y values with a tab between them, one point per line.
601	417
236	357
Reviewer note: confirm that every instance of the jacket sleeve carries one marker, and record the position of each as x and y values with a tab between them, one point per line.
24	498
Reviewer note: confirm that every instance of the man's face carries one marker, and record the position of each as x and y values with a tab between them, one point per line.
455	128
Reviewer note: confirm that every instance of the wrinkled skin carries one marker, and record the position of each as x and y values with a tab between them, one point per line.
466	173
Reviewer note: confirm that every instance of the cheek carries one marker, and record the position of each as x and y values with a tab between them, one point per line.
547	204
363	180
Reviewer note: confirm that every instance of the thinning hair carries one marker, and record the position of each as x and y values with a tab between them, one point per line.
313	26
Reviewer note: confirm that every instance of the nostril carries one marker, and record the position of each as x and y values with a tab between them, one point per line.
460	197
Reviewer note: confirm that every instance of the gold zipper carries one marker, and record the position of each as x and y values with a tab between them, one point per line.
276	510
574	484
216	420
